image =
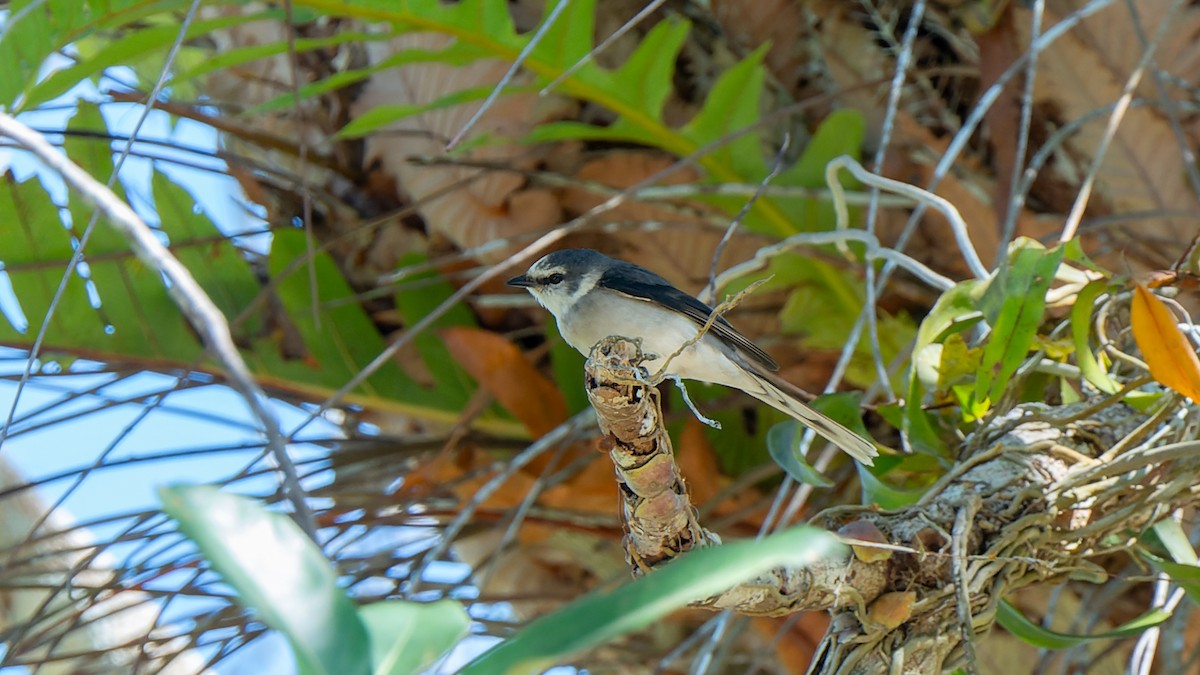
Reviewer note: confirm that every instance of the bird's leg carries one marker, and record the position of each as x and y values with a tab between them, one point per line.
692	406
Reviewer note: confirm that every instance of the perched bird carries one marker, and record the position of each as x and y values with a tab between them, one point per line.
593	296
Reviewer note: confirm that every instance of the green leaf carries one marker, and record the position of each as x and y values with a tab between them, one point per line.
1014	622
567	365
1081	328
1184	575
956	310
918	425
132	46
239	56
604	615
278	572
878	492
26	43
417	297
406	637
1175	540
1014	304
782	443
136	318
342	340
1184	570
640	79
730	107
382	115
635	92
840	133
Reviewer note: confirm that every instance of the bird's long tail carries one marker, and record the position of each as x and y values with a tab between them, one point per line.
777	398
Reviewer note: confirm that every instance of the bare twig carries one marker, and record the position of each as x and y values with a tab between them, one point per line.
547	24
1016	197
1114	121
708	293
604	44
958	227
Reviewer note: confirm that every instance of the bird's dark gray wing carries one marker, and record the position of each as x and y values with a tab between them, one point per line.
642	284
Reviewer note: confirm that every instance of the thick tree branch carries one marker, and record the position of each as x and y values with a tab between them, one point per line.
659	517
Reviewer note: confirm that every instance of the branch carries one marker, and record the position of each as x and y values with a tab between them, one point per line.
660	521
1033	498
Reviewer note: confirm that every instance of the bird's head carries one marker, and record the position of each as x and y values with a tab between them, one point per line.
560	279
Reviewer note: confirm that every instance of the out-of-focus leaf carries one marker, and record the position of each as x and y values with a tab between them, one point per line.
1014	622
843	408
381	116
876	491
136	318
1175	540
603	616
739	446
278	572
1182	568
840	133
782	443
32	32
640	82
1169	354
343	340
500	367
132	46
567	366
240	56
732	105
417	298
406	637
1014	304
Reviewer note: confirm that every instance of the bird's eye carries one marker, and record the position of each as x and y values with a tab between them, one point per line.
555	278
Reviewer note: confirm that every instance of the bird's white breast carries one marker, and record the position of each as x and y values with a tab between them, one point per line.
600	314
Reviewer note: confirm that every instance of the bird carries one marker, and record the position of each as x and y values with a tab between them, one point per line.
593	296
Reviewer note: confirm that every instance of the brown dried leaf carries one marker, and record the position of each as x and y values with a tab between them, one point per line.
698	463
892	609
500	368
494	205
1143	170
592	490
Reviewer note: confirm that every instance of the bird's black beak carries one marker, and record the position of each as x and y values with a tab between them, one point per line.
521	281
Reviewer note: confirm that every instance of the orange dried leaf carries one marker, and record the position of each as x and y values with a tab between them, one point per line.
500	368
892	609
698	463
592	490
1167	351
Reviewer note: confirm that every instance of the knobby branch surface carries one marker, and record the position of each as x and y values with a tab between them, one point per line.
660	520
1036	495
